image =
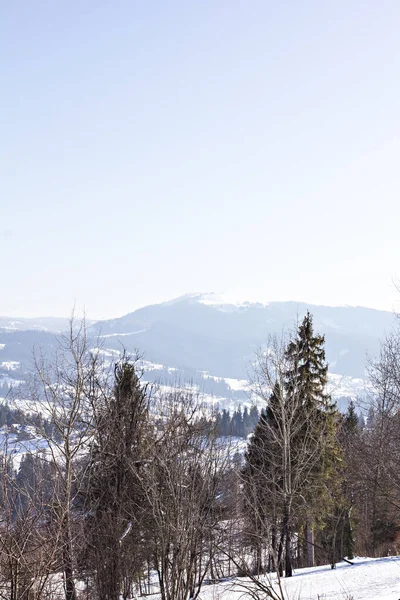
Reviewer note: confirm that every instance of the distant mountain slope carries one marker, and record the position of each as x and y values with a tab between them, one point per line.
49	324
207	333
221	338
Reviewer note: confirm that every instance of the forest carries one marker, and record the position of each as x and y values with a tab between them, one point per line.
137	490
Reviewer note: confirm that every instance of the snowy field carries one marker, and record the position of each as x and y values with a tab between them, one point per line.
367	579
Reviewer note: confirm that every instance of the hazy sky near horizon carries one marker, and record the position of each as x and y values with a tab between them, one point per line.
153	148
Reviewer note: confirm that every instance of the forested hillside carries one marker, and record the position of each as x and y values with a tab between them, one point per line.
122	487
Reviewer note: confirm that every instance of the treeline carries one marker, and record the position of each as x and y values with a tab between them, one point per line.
237	424
133	490
10	416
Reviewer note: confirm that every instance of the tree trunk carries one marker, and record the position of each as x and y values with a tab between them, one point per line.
70	592
310	543
287	542
279	566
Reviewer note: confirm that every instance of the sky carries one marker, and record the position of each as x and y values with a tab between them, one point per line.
153	148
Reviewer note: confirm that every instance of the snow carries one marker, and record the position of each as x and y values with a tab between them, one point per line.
149	366
10	365
221	301
107	353
15	448
237	385
10	381
338	386
367	579
225	301
110	335
342	385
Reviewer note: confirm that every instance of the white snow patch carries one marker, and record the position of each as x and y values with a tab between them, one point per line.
367	579
10	365
111	335
342	385
149	366
237	385
226	300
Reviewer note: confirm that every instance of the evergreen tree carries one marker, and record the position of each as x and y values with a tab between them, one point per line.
308	370
114	536
350	422
225	424
246	422
350	440
254	417
306	378
263	485
237	423
292	454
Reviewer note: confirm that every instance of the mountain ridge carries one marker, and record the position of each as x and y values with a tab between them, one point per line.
190	334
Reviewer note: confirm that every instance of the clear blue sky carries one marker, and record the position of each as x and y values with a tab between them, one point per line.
152	148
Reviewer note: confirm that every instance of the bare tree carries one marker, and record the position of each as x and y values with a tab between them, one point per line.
379	455
28	544
181	483
65	389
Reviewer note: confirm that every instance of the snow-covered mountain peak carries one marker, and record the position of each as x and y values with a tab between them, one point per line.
220	300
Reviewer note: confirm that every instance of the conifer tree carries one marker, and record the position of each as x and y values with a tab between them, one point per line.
225	424
350	438
308	372
307	378
294	447
113	494
259	471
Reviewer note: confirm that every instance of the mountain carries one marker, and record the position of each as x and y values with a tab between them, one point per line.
210	339
49	324
206	332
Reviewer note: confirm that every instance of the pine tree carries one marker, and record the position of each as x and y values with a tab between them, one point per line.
350	422
237	423
308	372
293	451
246	422
349	437
225	424
307	378
263	485
113	494
254	417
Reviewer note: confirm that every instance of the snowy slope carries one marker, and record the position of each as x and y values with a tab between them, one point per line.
367	579
216	334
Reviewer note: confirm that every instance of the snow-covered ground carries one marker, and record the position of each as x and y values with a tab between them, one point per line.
367	579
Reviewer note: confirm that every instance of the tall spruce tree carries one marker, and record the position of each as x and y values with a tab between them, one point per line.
292	452
307	378
308	371
113	497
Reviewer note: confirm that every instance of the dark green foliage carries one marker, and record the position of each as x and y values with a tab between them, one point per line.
350	423
240	424
112	495
308	370
291	458
224	424
307	377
